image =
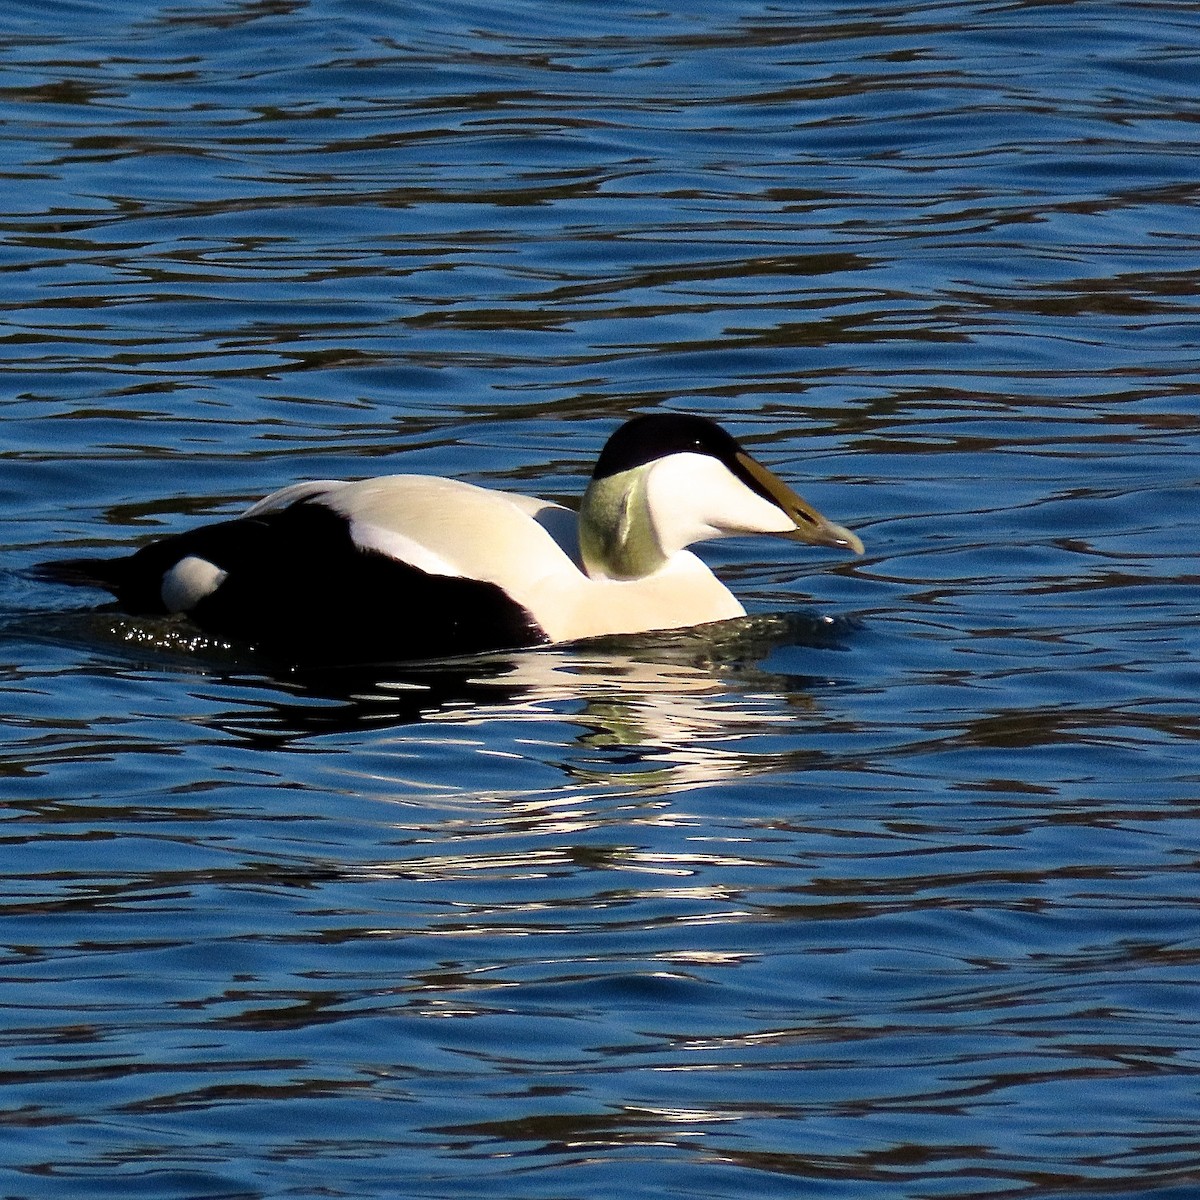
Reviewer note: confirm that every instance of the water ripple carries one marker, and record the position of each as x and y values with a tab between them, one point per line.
889	887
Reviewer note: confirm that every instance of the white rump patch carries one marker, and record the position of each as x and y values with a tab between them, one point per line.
189	581
399	547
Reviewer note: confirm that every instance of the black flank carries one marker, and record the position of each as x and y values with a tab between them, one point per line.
301	591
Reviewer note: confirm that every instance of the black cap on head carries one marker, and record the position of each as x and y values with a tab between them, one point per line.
645	439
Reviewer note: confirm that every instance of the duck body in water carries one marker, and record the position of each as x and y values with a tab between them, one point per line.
404	567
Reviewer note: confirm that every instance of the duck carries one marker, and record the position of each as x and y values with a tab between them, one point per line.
406	567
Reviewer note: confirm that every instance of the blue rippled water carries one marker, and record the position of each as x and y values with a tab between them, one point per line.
889	889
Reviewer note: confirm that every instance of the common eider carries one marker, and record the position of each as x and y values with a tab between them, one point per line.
403	567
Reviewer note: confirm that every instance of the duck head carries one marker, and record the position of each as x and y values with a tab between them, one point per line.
665	481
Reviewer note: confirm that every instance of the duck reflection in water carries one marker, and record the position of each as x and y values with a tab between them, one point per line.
651	712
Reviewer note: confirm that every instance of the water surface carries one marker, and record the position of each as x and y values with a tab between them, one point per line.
888	890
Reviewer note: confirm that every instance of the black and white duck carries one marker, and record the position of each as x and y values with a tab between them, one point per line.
414	566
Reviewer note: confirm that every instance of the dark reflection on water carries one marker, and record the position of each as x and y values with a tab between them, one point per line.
889	889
